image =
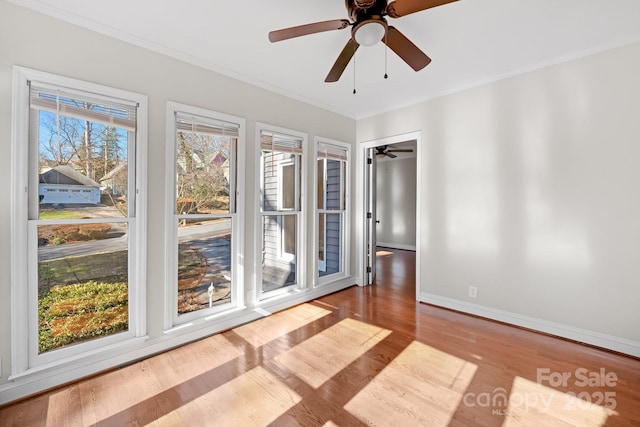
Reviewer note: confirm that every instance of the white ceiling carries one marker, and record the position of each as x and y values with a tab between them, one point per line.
470	41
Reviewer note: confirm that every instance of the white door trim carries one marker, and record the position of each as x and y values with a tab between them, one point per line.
361	208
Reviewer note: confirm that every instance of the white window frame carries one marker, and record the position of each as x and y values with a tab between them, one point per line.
322	263
282	253
24	328
345	214
173	320
300	214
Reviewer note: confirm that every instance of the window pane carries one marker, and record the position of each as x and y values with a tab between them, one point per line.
279	251
321	237
204	264
288	187
320	184
289	238
280	181
203	168
82	167
333	185
332	232
82	283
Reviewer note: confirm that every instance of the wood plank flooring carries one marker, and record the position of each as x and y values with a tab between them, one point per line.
363	356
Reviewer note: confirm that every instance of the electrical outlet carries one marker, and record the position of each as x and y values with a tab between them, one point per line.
473	292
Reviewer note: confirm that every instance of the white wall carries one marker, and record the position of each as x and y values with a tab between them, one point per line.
396	203
32	40
531	195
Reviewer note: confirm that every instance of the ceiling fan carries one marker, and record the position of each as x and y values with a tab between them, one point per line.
368	27
384	151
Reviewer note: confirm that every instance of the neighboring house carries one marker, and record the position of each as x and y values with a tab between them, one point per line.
116	181
63	184
201	160
332	254
279	246
219	159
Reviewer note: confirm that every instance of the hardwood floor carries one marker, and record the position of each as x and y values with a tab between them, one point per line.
363	356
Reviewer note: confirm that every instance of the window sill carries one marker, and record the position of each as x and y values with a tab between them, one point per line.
225	315
85	358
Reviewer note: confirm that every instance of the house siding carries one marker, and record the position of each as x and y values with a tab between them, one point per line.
333	233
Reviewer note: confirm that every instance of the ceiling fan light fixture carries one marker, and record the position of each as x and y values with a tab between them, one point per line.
370	33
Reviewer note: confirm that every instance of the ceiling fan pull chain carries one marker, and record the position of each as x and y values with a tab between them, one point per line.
386	49
354	71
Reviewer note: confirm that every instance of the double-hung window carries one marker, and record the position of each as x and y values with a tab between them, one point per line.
331	206
281	153
78	235
204	229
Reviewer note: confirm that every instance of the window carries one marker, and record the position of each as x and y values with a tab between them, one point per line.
287	201
78	211
331	207
281	209
203	268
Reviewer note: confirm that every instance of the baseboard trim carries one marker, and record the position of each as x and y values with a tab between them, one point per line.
592	338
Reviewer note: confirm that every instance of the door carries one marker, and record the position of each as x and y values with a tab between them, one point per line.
370	220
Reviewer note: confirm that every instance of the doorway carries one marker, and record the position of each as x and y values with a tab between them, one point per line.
374	155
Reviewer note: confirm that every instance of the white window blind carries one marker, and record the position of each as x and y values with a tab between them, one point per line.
204	125
332	152
278	142
110	112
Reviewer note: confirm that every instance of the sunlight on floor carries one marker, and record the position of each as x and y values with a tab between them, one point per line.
421	386
199	357
254	398
279	324
319	358
382	253
331	307
142	379
530	403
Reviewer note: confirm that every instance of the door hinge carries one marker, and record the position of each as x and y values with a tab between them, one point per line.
369	161
368	269
369	215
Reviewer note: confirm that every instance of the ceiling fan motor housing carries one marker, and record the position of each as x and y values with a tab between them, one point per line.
364	4
361	10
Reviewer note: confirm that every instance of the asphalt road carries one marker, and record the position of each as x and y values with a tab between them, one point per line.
187	234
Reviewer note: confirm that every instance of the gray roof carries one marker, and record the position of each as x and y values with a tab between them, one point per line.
114	171
66	175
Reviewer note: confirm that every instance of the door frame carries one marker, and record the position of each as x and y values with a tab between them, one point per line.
361	208
370	207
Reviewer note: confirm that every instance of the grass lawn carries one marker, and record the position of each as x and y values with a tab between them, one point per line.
58	214
75	313
81	298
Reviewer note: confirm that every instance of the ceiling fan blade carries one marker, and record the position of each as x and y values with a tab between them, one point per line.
403	150
303	30
390	155
405	49
400	8
342	61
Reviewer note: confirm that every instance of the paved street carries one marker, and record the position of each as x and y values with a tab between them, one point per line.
119	243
